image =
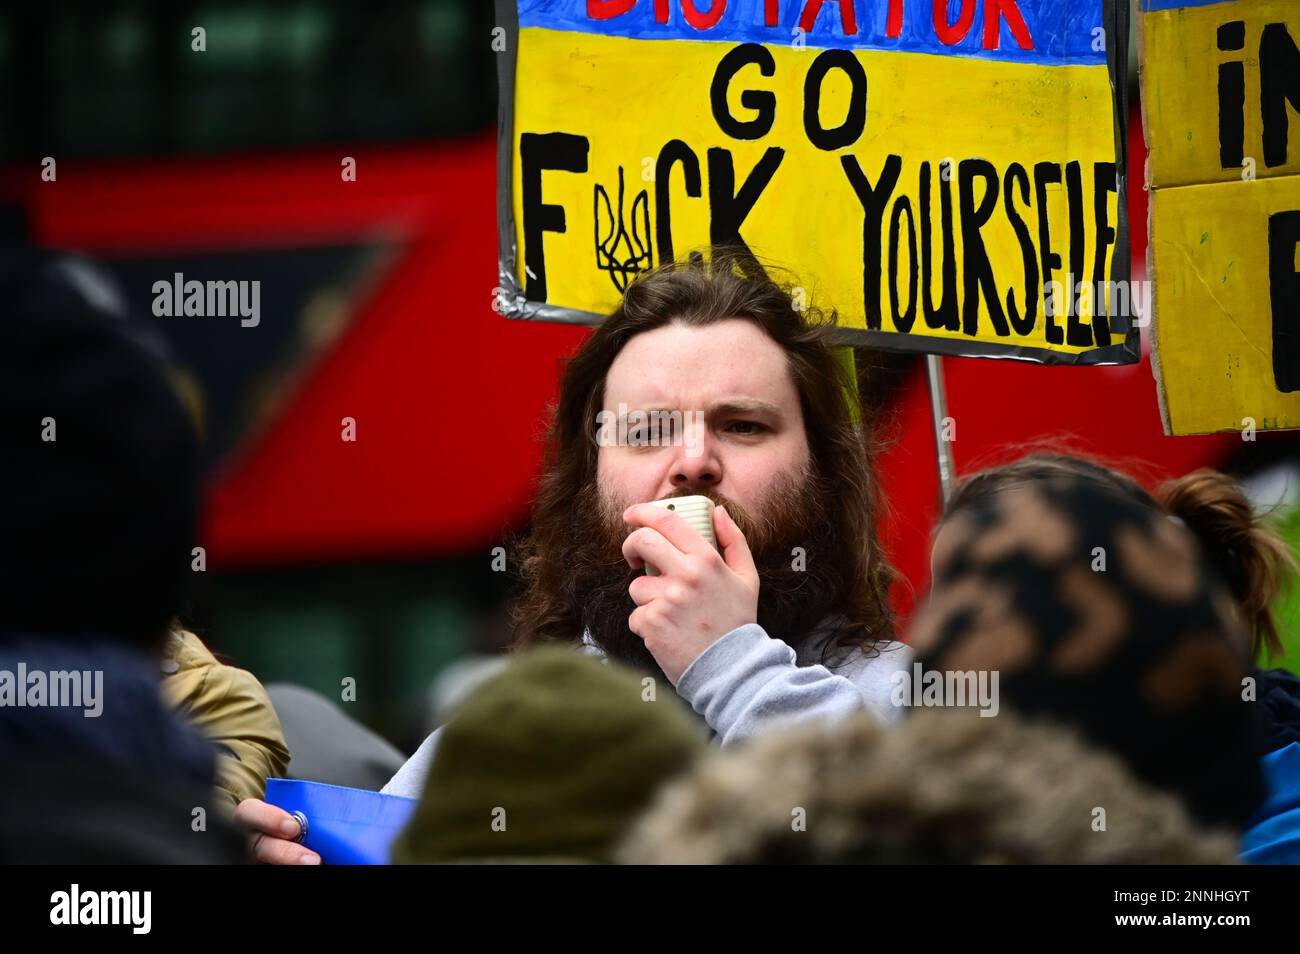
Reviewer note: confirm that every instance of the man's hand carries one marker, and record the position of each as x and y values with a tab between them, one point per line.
700	594
272	833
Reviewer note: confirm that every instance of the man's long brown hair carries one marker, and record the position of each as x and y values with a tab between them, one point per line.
841	442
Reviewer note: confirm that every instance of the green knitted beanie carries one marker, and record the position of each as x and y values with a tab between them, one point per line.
551	759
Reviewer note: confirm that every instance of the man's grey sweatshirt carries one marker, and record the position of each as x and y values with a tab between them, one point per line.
748	680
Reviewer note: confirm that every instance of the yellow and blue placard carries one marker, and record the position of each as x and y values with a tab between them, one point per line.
946	175
1221	104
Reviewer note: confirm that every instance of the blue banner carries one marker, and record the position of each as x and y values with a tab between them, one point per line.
345	826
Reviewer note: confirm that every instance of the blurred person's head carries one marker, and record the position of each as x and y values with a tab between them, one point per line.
935	789
1096	609
70	809
770	428
551	759
98	492
1247	551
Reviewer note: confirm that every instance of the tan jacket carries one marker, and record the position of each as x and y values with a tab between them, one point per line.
231	708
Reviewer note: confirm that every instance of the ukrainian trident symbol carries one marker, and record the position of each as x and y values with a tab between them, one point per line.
624	256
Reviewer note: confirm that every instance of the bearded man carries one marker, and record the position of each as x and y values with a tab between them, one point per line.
788	618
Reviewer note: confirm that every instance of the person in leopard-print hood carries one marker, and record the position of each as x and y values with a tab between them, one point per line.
1101	612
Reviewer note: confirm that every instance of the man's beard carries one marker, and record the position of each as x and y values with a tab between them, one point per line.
796	590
